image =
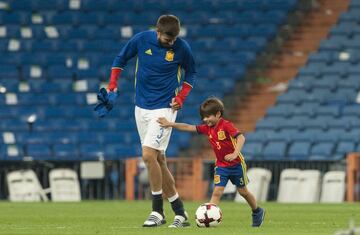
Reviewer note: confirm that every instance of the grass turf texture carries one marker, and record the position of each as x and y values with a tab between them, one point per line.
122	217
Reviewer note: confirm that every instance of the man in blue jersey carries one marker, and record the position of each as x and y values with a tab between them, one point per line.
159	92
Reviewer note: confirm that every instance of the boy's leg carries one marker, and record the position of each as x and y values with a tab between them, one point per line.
216	195
258	213
221	177
181	217
249	197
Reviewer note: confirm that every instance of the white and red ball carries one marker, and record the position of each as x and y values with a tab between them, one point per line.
208	215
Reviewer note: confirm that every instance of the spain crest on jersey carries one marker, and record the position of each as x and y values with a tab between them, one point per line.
221	135
169	56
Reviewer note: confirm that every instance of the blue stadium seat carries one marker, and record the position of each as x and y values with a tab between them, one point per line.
66	152
351	110
59	72
259	136
272	123
9	72
322	151
299	150
275	150
91	151
117	151
38	151
344	147
306	135
252	150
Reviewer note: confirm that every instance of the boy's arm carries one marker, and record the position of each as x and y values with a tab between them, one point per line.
180	126
240	140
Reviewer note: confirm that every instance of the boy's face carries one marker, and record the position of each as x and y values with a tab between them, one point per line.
212	119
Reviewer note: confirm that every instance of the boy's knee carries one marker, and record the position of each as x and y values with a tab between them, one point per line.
217	193
243	191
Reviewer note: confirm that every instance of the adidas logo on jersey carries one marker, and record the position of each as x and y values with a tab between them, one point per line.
148	52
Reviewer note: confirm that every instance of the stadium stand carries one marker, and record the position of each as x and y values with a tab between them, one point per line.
56	54
321	103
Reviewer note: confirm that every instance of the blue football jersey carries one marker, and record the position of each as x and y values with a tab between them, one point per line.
158	70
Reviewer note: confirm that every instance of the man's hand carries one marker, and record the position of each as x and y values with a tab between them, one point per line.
164	122
106	102
175	105
230	157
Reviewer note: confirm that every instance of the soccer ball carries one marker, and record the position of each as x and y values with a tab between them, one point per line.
208	215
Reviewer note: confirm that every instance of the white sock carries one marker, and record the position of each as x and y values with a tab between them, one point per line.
156	193
173	198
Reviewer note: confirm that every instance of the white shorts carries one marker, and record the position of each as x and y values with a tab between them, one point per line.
150	132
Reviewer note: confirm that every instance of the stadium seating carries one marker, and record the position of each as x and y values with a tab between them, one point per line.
321	104
57	54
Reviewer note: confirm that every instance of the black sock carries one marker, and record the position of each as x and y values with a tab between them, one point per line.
157	203
178	207
256	210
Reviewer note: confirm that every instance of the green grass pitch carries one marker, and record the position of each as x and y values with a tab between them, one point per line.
122	217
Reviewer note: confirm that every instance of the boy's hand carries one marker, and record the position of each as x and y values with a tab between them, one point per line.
164	122
230	157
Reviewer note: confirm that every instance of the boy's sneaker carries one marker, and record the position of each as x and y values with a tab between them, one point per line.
180	221
258	218
155	219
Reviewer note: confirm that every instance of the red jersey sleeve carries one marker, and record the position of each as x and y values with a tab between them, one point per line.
231	129
202	129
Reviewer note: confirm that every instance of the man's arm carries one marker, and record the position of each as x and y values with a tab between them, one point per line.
126	53
190	73
180	126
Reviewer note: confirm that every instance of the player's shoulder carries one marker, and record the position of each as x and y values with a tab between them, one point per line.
226	122
148	34
183	43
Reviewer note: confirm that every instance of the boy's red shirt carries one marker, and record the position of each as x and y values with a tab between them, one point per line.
222	138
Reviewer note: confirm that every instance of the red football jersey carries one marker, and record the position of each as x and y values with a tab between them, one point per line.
222	138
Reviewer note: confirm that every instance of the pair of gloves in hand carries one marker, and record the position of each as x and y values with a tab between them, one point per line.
106	102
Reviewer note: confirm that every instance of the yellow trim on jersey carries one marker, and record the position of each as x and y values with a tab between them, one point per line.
136	69
242	162
178	79
239	154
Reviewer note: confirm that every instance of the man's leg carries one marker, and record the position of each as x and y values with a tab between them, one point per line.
172	195
155	178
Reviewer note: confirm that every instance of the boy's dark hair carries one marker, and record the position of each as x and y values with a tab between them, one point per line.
211	106
169	25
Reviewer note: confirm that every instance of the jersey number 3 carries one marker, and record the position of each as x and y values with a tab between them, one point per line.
218	145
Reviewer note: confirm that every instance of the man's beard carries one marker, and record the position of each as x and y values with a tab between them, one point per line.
164	44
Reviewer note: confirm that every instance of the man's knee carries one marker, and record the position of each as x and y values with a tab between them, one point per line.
162	160
149	156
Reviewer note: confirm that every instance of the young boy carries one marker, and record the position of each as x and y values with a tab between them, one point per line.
226	142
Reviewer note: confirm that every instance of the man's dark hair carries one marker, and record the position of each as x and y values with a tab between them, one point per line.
169	25
211	106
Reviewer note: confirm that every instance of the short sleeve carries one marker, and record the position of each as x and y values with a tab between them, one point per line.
231	129
202	129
